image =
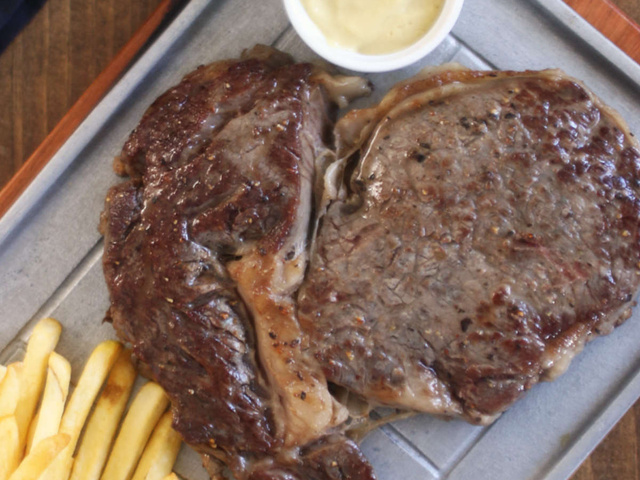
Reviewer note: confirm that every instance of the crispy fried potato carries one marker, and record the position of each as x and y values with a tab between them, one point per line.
55	395
143	415
95	371
41	343
172	476
9	453
93	376
32	432
3	371
102	426
10	389
160	453
40	457
60	468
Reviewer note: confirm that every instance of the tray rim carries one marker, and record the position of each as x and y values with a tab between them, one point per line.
58	162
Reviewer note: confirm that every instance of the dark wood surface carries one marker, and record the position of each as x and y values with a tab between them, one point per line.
85	103
52	62
57	57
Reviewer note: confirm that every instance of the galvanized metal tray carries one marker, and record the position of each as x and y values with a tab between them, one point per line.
50	248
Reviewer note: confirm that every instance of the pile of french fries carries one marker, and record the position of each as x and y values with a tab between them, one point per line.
44	436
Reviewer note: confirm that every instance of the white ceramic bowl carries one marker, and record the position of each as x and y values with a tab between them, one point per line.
313	36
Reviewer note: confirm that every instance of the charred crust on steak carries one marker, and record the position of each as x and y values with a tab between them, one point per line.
441	252
206	242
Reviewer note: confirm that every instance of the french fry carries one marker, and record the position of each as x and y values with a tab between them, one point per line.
3	371
102	426
160	453
9	453
93	376
60	468
10	389
95	371
40	457
53	400
172	476
143	415
40	345
32	431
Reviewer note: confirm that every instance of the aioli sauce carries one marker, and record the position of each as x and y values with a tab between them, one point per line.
373	26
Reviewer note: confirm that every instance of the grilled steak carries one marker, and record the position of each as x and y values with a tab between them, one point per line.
204	247
474	230
489	228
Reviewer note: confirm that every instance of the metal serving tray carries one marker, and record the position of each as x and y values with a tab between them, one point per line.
50	248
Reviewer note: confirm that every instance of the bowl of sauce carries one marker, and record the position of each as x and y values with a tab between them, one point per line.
373	35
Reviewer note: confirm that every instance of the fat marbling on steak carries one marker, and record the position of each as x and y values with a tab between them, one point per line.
487	229
204	247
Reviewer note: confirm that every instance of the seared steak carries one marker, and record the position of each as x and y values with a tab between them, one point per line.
489	228
204	247
475	230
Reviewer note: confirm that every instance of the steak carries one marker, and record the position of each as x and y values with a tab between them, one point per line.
488	229
441	252
205	246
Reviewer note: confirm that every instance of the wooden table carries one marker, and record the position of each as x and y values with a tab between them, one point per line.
69	42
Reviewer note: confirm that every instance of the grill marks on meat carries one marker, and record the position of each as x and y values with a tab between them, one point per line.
205	246
490	228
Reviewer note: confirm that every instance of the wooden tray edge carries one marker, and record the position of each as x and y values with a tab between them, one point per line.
612	22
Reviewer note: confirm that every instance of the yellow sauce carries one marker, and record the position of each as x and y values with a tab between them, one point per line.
373	26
